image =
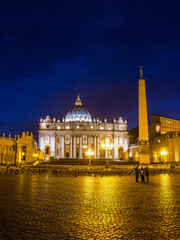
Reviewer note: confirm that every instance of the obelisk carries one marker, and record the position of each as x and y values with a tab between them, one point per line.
143	122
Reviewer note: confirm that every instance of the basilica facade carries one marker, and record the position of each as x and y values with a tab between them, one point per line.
72	136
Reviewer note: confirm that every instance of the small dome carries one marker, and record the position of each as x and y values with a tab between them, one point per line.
78	113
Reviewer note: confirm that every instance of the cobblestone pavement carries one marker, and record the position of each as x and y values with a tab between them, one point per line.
49	207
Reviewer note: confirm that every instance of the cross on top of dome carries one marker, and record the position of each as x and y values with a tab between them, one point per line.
78	101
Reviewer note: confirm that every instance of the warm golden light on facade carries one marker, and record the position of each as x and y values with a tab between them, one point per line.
163	152
89	153
35	155
107	145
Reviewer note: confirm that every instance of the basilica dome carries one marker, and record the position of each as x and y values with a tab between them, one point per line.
78	113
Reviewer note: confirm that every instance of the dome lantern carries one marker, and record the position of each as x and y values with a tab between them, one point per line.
78	101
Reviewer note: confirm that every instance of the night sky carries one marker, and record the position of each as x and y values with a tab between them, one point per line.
51	50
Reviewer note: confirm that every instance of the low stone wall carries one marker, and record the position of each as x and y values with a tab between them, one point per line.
85	171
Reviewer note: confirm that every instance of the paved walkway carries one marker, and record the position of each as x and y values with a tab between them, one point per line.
49	207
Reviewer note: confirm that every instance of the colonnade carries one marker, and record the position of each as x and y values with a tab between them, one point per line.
61	147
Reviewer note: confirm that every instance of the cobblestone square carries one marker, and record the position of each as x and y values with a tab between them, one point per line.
50	207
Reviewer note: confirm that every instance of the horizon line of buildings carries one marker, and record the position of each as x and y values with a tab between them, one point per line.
164	133
78	132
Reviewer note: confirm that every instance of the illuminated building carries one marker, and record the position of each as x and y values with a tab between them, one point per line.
164	137
78	132
20	149
168	143
161	125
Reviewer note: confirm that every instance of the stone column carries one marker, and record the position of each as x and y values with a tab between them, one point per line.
55	151
95	147
89	142
74	152
52	145
80	147
62	146
115	147
70	147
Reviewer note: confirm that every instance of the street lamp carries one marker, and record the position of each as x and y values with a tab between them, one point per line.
107	146
89	153
164	154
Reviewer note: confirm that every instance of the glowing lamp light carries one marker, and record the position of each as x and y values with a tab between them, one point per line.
89	153
107	145
163	152
103	146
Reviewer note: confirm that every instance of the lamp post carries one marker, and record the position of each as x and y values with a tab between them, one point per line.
89	153
107	146
164	154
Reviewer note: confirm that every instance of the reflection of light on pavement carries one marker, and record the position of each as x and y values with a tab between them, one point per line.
21	181
166	196
34	185
166	191
88	187
106	190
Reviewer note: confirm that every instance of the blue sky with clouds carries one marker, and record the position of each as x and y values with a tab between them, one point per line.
51	50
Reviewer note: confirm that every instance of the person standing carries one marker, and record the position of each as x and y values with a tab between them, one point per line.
142	174
137	173
146	170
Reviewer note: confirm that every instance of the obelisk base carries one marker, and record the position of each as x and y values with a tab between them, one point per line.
144	154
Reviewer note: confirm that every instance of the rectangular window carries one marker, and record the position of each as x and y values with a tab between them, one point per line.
57	140
120	127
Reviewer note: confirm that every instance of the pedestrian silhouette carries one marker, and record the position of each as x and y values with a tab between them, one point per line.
146	170
142	174
137	173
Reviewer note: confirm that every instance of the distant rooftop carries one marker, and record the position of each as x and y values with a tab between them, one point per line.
165	117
